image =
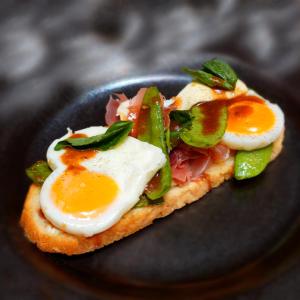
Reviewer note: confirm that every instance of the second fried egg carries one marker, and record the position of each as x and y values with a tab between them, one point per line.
252	123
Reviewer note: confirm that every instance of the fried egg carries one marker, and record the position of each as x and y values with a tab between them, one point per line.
195	92
252	123
89	190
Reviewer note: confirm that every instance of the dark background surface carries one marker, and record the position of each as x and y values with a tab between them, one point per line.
51	51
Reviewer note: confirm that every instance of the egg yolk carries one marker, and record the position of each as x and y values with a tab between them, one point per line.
249	117
85	194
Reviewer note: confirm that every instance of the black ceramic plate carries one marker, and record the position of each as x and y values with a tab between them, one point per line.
239	236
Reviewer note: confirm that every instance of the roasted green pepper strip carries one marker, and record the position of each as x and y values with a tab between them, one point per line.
38	172
208	124
151	130
249	164
145	201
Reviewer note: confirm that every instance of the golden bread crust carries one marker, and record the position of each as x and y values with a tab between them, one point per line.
50	239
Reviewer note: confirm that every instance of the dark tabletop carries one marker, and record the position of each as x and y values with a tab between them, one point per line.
51	51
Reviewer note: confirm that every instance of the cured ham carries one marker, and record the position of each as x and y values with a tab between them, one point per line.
112	107
134	109
189	163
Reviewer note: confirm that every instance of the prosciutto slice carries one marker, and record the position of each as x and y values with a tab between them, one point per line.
219	153
112	107
134	108
189	163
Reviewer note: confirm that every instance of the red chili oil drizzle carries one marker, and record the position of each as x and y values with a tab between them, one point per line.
212	110
78	135
156	100
73	157
143	120
242	98
242	111
144	116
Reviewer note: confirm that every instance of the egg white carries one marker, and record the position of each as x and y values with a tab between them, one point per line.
196	92
131	164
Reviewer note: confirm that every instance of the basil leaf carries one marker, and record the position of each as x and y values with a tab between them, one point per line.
221	69
208	79
215	73
182	117
145	201
61	145
114	135
38	172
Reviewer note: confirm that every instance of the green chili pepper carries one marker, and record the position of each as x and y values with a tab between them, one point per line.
151	130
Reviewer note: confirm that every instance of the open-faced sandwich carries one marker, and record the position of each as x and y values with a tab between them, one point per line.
155	155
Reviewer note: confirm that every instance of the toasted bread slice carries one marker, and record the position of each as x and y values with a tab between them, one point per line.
50	239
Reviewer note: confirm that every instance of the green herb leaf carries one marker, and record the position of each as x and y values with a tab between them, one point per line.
208	79
182	117
209	121
38	172
152	131
168	140
215	73
145	201
221	69
249	164
174	138
114	135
